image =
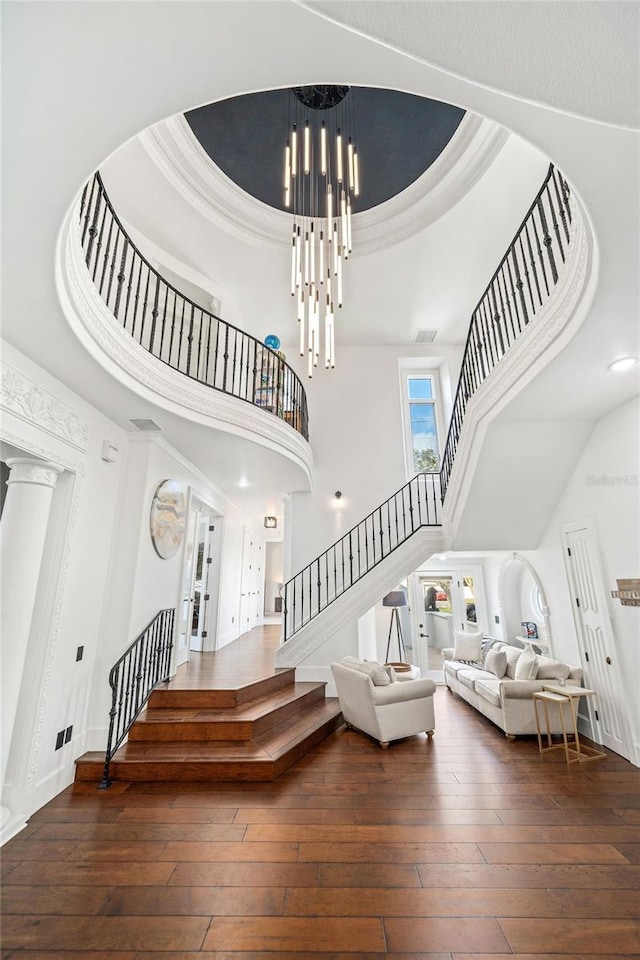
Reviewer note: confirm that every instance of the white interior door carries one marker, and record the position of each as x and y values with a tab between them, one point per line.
600	662
246	582
200	594
186	594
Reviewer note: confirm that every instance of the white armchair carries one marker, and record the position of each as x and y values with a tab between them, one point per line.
385	710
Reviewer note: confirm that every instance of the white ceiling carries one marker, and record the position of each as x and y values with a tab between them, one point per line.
66	109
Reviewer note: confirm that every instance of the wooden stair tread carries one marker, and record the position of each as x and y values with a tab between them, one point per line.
269	746
252	710
191	693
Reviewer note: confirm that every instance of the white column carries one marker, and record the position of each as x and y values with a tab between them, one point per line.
23	532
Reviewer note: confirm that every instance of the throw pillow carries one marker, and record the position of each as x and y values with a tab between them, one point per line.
527	665
549	669
513	655
496	663
377	673
391	672
468	647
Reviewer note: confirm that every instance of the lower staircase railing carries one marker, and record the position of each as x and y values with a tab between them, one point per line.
145	664
415	505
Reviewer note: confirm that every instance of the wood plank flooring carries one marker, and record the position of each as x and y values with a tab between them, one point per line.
466	848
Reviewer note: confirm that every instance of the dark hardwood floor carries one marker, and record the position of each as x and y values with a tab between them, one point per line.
466	848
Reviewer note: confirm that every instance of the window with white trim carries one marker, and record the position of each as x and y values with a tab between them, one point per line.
420	399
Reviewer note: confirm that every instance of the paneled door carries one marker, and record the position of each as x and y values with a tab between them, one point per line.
597	644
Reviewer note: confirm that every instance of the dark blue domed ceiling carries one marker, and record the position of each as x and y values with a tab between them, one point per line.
399	136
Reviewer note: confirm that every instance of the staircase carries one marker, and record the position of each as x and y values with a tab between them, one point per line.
252	732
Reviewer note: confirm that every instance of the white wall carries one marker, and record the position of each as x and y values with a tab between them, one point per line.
42	417
356	432
604	489
102	580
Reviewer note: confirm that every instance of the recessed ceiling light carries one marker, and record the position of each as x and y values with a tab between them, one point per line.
243	483
624	363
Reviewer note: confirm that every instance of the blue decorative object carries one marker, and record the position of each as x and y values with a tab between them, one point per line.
272	342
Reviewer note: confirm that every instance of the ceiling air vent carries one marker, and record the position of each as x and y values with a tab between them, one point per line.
425	336
148	425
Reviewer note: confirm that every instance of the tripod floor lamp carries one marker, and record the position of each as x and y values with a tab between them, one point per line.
395	599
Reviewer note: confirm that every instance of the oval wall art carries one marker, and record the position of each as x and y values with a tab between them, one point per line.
167	520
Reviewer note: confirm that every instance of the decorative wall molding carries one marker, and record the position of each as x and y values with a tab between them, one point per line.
31	402
144	374
362	595
175	150
39	472
545	337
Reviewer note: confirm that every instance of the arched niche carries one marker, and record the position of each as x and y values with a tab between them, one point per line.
521	598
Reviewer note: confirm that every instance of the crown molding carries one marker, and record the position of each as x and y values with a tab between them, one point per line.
175	150
32	403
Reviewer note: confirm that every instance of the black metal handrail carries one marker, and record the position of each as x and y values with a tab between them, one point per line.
313	589
144	665
173	328
522	284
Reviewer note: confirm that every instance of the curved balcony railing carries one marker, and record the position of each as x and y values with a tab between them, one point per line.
520	287
173	328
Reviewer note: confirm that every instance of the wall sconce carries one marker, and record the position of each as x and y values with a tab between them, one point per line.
271	523
338	494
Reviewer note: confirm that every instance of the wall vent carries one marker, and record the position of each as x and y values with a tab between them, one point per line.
149	425
425	336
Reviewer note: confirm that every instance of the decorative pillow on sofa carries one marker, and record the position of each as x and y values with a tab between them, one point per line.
549	669
468	647
513	655
496	663
378	674
527	665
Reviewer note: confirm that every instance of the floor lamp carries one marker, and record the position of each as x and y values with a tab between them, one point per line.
395	599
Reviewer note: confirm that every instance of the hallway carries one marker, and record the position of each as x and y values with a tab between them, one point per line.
466	848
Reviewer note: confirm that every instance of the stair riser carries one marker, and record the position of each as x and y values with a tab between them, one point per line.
151	731
211	699
213	771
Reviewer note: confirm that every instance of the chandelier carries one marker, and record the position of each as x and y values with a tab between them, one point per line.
320	179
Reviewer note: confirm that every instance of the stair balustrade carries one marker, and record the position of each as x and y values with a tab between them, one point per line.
522	284
321	582
176	330
145	664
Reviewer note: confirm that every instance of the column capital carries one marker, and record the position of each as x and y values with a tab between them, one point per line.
27	470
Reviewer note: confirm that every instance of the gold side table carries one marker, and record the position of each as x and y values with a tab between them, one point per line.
575	752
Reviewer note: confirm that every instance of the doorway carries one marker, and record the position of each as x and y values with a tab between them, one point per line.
198	583
595	637
444	601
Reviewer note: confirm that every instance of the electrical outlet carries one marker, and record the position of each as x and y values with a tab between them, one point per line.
79	654
496	618
67	734
60	740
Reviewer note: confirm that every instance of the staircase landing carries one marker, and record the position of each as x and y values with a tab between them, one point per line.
225	716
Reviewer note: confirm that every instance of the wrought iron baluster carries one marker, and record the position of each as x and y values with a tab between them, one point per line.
556	226
540	260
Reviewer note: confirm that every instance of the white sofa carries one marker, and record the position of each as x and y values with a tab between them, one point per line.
383	707
508	701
